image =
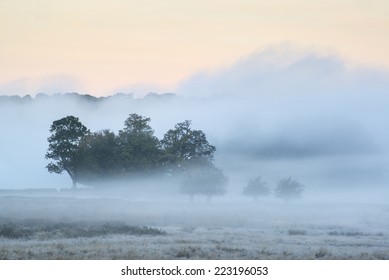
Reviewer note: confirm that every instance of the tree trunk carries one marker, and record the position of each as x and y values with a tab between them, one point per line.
72	176
74	184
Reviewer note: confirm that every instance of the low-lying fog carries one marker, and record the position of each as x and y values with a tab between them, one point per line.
273	114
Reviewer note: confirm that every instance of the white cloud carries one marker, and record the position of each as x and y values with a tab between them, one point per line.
286	70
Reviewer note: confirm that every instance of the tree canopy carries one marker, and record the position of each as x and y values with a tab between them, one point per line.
185	146
66	134
289	189
138	147
97	156
91	157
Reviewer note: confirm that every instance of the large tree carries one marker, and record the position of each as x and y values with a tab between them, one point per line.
184	146
188	154
66	134
97	157
139	148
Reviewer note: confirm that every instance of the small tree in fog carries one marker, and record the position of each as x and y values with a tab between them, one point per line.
203	180
289	189
66	134
256	187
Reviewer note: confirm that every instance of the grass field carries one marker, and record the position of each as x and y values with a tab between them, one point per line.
86	227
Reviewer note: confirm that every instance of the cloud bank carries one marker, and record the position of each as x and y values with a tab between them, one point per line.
275	113
287	70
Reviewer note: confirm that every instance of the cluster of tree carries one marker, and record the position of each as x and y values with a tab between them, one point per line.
88	157
287	188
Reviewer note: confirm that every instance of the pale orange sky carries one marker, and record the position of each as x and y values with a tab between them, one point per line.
104	46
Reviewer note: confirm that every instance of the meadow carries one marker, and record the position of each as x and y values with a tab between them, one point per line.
86	225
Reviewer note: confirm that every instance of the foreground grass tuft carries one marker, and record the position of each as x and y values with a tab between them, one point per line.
347	233
48	230
321	253
297	232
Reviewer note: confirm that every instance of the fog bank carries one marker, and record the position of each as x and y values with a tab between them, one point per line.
275	113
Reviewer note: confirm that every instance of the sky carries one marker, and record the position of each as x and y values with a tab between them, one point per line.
102	47
277	86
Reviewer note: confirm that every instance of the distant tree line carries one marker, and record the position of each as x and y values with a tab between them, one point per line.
28	99
89	157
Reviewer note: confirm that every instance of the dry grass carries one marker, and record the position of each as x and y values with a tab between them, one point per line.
297	232
200	245
124	229
46	229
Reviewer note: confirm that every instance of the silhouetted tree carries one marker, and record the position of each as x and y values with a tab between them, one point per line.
90	157
188	153
138	147
256	187
288	189
97	156
184	146
66	134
